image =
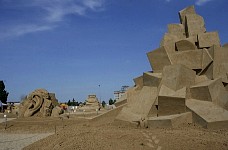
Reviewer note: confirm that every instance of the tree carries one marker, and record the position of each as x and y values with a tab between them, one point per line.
69	103
73	103
76	103
103	103
3	93
110	102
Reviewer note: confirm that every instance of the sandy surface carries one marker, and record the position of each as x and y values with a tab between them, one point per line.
19	141
16	140
3	120
85	134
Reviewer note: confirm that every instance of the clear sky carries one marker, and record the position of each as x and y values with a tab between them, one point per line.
70	47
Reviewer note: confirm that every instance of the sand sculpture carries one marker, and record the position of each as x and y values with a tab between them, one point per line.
39	103
92	100
189	81
91	104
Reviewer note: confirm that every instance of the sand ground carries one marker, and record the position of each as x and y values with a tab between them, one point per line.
81	133
19	141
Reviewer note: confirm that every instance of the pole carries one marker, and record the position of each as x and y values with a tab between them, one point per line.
100	93
100	98
5	116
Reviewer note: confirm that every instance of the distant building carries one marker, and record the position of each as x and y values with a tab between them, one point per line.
118	94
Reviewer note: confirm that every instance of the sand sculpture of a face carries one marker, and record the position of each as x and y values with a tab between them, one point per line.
38	102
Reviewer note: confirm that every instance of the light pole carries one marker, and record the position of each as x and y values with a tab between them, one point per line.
100	91
5	116
100	94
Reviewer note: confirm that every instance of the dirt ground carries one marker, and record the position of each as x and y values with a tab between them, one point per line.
80	133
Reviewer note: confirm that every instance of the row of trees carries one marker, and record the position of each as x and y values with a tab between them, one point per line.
76	103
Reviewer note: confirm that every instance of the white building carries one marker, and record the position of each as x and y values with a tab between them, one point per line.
118	94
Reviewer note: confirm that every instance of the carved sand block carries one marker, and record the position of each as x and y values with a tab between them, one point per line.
170	101
169	41
170	121
184	45
177	30
191	58
167	92
194	25
208	39
127	115
212	90
170	105
158	59
201	78
208	114
147	97
139	104
151	79
177	76
187	10
138	82
206	60
220	65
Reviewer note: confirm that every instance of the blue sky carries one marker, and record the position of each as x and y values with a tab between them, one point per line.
69	47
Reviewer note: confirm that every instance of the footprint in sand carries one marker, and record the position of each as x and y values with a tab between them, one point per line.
152	140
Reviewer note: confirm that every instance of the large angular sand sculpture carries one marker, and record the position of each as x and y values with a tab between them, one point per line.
39	103
188	82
